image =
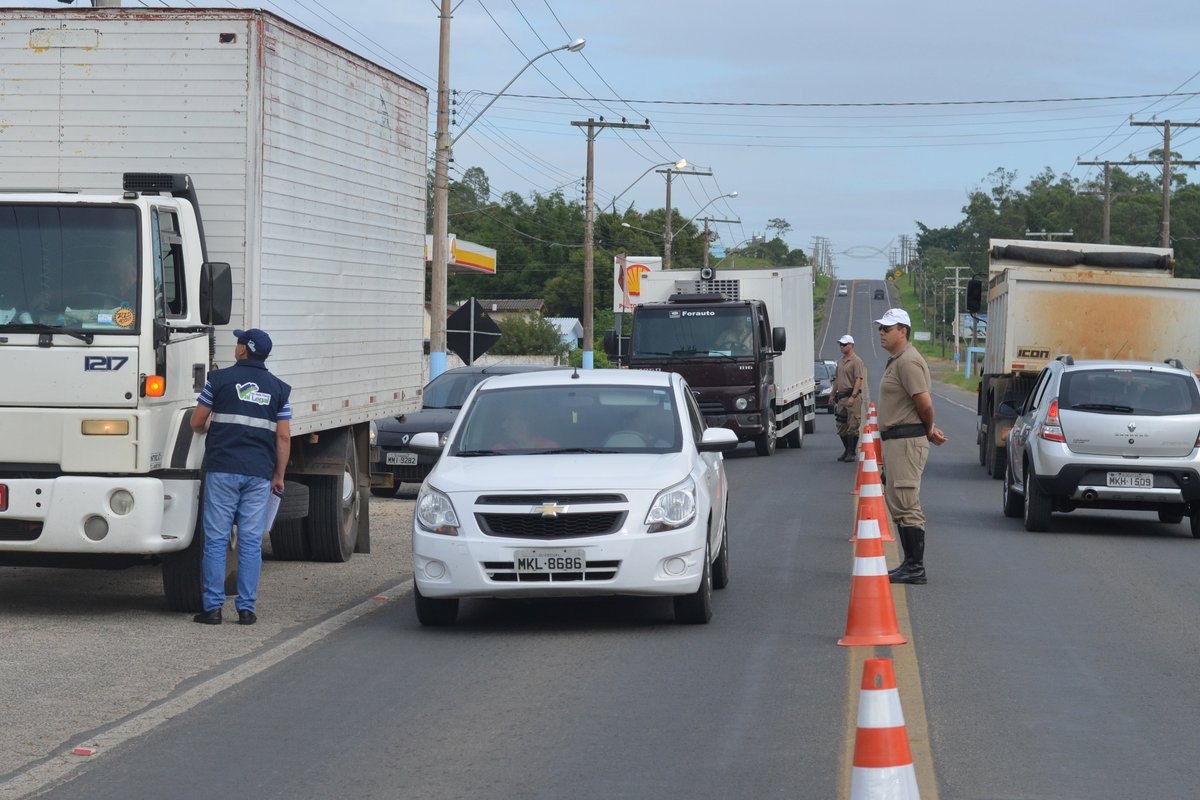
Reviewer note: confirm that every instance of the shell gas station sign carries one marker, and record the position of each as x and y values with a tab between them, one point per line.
465	257
627	279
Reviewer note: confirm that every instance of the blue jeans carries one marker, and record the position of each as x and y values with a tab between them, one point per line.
229	496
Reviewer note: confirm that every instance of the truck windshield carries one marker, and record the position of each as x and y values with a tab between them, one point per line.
692	332
68	266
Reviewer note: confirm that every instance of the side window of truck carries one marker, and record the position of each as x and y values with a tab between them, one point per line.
169	283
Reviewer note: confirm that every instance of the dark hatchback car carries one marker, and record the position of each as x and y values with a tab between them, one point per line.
878	294
441	401
824	374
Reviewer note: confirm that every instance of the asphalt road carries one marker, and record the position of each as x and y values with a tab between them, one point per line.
1050	665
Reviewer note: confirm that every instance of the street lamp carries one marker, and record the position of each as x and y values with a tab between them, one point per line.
643	230
680	164
706	205
441	185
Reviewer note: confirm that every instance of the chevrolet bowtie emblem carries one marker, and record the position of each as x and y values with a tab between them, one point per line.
549	510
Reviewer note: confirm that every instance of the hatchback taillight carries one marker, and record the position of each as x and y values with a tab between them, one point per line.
3	497
1052	428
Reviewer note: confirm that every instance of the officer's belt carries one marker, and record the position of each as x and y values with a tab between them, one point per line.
903	432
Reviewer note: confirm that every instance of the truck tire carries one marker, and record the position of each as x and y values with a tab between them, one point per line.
795	438
996	460
764	443
183	572
335	504
288	542
981	439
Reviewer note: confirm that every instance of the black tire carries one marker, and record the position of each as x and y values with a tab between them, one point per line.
795	439
1170	517
720	567
764	443
289	542
335	504
383	491
1014	504
435	612
1195	522
982	437
1037	504
183	572
999	458
696	608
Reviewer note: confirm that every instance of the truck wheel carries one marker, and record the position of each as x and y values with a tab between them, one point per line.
795	439
182	576
288	542
332	521
764	443
981	440
1037	504
996	468
434	611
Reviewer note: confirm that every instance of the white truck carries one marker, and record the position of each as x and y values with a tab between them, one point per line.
1045	299
167	176
742	338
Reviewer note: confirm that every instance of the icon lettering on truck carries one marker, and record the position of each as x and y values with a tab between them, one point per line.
103	363
1033	352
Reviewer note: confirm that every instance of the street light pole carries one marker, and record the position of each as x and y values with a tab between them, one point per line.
441	186
680	164
667	218
706	221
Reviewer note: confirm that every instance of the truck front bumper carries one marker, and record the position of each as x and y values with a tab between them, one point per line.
98	515
746	426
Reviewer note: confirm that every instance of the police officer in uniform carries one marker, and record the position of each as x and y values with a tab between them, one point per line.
848	380
245	410
905	416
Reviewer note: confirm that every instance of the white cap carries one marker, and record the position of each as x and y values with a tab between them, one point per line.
895	316
847	339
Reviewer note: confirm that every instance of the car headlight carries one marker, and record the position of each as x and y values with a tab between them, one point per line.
673	507
435	512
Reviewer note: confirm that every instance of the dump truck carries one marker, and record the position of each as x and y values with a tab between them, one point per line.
1092	301
743	340
166	177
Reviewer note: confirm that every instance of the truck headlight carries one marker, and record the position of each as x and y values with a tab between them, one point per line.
741	404
435	512
374	434
673	507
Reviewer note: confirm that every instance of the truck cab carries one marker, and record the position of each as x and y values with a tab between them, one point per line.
726	351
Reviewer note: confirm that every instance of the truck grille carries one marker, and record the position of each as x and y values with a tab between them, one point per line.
505	572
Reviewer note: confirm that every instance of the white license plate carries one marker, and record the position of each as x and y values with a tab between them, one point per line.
566	560
402	459
1131	480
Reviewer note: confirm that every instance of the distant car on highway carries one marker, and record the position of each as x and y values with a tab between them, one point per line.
878	294
440	403
843	290
571	483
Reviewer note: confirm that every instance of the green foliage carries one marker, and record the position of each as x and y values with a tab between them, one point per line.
599	358
527	336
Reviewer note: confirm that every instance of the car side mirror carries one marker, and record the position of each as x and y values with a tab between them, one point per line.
974	296
426	443
717	440
1008	408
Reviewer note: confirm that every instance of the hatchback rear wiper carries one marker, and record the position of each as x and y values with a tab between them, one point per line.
1103	407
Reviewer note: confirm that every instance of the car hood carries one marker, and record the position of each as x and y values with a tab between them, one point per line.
566	472
437	420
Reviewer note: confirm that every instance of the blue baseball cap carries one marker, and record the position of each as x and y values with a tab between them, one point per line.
257	342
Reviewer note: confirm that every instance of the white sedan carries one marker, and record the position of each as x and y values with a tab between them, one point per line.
574	483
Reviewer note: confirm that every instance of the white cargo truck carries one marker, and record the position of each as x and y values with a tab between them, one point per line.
1045	299
742	338
167	176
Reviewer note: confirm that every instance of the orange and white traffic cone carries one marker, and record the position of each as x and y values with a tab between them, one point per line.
873	422
871	618
868	447
883	765
871	504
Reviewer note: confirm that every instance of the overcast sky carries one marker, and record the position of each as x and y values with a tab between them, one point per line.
850	120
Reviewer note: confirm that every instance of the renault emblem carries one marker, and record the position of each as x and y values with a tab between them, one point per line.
1132	427
549	510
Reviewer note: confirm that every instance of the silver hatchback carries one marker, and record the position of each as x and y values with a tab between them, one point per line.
1106	434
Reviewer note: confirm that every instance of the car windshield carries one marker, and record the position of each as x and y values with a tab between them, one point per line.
822	371
450	389
68	267
1129	391
580	419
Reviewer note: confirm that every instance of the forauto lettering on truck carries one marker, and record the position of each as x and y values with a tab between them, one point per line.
119	299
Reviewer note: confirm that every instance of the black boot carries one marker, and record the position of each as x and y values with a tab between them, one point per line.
905	547
845	448
916	559
852	448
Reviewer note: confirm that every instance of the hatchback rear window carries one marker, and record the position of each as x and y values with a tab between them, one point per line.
1132	391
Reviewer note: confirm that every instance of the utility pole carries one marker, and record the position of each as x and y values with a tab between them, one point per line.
1166	171
667	235
713	219
589	230
441	189
1107	193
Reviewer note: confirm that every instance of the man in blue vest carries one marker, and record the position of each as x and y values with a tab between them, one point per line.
244	409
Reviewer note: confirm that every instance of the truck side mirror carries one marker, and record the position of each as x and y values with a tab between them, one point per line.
216	293
778	339
974	296
610	343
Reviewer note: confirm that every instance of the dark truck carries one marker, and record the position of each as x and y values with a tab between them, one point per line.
715	329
